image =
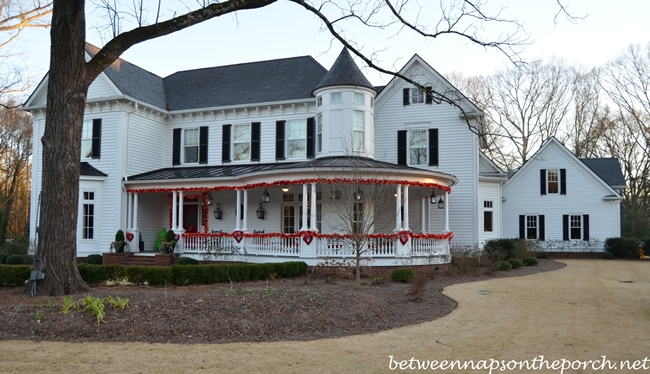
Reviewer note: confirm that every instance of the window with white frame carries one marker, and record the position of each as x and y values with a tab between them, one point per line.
359	124
488	216
292	214
88	215
319	101
359	98
319	133
241	142
553	181
336	97
87	139
190	146
418	147
297	139
417	95
576	227
357	218
531	227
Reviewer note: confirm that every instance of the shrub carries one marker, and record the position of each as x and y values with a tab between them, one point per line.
16	246
16	260
542	255
14	275
94	259
93	274
504	265
623	247
500	249
515	263
3	258
530	261
608	256
186	261
402	275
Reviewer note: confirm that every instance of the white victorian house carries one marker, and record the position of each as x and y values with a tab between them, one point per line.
261	157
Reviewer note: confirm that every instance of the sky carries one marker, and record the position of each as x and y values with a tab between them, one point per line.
286	30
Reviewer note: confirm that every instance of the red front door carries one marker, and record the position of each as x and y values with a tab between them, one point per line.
191	218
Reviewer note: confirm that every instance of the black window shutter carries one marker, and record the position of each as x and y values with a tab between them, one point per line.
562	181
311	127
429	98
279	140
176	147
401	147
433	147
565	227
522	227
585	227
97	138
542	228
203	145
225	143
256	129
407	96
542	181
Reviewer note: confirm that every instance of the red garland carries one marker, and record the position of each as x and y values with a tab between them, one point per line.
300	234
292	182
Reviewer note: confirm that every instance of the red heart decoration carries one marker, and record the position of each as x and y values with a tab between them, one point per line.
176	237
129	236
307	238
404	238
238	235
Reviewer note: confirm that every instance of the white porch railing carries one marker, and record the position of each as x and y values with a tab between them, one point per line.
205	244
429	247
274	246
376	247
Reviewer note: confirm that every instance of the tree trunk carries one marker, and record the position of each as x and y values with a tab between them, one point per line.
68	84
11	197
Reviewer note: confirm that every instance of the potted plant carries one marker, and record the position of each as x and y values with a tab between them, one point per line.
168	244
120	242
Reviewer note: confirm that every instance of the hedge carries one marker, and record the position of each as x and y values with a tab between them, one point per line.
500	249
626	247
14	275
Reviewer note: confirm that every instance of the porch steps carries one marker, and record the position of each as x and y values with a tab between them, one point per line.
141	261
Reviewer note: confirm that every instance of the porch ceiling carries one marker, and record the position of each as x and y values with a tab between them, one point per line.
322	164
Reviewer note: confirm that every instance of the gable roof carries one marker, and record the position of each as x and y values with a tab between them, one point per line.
608	169
89	170
344	71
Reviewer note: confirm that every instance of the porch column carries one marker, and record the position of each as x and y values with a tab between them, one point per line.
446	212
174	217
129	204
245	224
423	217
180	210
238	211
134	222
406	208
304	208
313	225
398	210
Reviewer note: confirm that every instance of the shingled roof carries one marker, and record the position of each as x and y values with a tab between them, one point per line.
608	169
248	83
344	72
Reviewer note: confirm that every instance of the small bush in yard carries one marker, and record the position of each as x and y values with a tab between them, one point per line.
608	256
542	255
186	261
515	263
16	260
500	249
94	259
504	265
402	275
530	261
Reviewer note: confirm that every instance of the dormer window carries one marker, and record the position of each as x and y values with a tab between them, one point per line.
336	97
553	179
417	96
359	98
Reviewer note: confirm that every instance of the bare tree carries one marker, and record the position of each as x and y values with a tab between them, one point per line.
589	114
70	76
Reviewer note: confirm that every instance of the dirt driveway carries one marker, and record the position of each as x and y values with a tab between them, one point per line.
589	309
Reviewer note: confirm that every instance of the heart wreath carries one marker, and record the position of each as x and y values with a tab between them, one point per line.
129	236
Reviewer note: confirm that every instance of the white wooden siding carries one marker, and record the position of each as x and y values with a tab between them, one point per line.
489	191
102	87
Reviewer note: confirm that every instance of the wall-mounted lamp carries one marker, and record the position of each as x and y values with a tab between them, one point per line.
441	204
432	198
217	211
265	196
285	189
209	202
260	211
359	195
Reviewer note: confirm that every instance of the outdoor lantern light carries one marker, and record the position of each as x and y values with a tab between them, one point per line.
209	199
217	211
359	195
266	197
285	189
441	204
432	198
260	211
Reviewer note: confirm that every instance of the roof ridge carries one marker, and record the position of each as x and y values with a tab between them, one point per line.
247	63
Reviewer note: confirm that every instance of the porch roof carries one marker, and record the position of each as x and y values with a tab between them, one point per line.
240	170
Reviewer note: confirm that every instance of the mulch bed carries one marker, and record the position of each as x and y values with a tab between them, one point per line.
280	309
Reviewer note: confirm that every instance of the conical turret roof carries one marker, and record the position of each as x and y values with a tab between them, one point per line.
344	72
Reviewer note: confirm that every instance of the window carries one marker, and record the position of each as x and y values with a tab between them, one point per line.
91	131
292	214
531	227
359	98
297	139
417	96
319	133
190	146
88	215
553	179
576	227
336	97
241	142
319	101
372	102
287	197
488	204
359	121
357	219
418	147
488	216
